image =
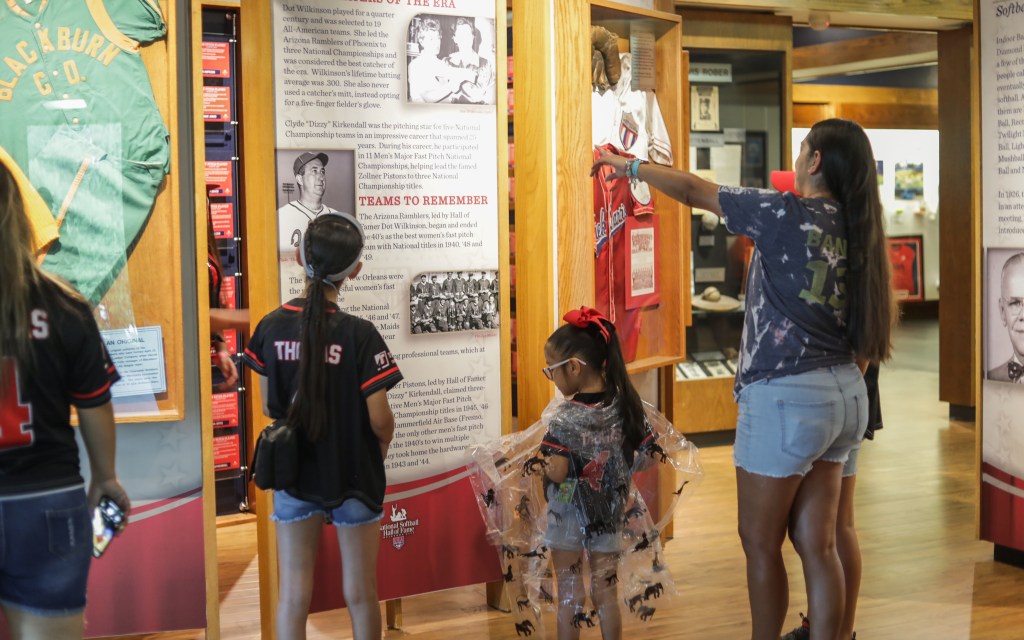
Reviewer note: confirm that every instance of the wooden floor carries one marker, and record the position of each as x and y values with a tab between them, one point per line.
925	574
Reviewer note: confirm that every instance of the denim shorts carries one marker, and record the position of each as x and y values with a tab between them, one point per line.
566	531
787	424
45	552
351	513
850	468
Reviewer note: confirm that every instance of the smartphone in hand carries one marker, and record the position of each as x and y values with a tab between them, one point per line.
107	521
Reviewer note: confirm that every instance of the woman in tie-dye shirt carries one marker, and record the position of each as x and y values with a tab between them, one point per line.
818	309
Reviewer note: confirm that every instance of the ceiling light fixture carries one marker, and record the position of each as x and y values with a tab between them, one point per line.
818	20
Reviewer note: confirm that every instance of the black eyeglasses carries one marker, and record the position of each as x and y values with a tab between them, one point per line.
549	371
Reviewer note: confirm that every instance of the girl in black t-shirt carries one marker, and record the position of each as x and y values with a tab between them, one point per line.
51	357
328	373
589	458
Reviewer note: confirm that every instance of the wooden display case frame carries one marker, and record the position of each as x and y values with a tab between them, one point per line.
554	217
708	404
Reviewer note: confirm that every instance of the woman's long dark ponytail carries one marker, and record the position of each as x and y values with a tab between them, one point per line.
848	168
331	245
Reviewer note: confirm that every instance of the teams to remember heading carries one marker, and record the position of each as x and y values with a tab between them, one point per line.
80	119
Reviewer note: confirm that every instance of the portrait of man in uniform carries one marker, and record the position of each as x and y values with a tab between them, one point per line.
1011	318
310	183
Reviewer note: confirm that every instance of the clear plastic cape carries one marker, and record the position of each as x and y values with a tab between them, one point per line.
608	509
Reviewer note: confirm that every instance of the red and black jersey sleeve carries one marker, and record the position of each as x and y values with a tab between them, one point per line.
376	366
92	372
253	356
552	446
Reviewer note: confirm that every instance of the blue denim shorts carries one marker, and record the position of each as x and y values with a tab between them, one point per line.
45	552
566	531
850	468
787	424
351	513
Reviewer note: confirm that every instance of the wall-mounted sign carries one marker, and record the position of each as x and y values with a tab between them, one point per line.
138	354
718	72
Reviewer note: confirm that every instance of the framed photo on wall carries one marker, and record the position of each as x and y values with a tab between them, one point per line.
752	170
907	258
704	108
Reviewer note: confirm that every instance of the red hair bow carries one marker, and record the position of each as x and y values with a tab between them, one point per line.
585	316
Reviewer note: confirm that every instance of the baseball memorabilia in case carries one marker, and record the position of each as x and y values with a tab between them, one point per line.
717	368
84	125
905	255
642	262
704	108
689	371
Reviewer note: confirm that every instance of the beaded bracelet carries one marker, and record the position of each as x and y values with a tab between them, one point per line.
633	169
632	166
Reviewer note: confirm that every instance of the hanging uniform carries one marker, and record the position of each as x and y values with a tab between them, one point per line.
80	118
638	127
614	202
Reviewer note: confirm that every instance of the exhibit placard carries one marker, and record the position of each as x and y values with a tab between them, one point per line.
138	354
387	111
1001	26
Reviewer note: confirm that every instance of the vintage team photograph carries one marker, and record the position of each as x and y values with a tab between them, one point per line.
447	301
450	60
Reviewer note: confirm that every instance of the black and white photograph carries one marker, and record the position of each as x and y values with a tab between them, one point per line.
717	369
309	182
704	108
1004	320
451	60
689	371
447	301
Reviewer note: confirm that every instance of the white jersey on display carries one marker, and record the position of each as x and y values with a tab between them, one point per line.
638	127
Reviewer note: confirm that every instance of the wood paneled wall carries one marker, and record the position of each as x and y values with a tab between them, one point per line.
872	107
535	74
959	233
944	9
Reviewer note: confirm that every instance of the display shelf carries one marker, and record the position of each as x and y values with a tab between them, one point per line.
652	362
662	326
704	405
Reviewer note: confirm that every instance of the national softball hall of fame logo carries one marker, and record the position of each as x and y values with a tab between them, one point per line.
399	527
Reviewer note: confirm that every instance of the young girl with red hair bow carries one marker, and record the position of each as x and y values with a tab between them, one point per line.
587	476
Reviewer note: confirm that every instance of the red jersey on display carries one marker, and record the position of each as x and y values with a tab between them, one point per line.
37	444
614	201
904	268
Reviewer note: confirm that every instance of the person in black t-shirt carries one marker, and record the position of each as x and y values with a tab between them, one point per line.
328	373
51	357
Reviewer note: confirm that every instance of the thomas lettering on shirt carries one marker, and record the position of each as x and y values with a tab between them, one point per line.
288	350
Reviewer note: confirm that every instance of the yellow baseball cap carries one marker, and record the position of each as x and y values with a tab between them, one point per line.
44	229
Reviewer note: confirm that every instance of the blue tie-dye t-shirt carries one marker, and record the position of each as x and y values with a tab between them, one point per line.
796	286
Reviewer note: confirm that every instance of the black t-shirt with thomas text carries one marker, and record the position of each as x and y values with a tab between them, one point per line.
346	461
71	366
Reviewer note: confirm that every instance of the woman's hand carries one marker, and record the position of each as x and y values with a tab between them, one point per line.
616	162
113	490
222	360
